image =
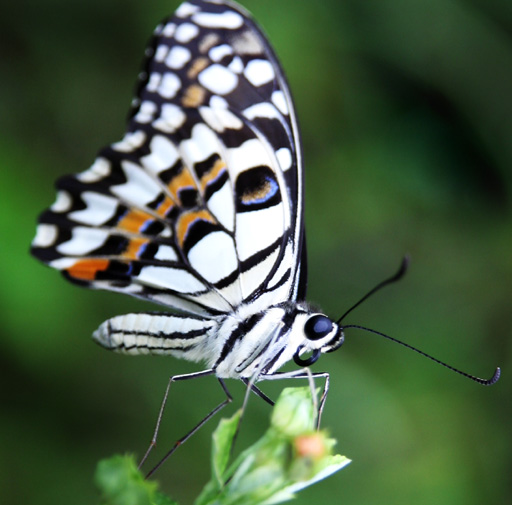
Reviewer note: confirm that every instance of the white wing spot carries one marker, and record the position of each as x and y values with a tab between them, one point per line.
100	169
161	52
139	188
186	32
163	155
211	119
99	209
168	30
217	102
178	57
146	112
263	110
153	82
227	19
201	145
236	65
62	203
62	263
228	119
222	207
166	253
284	156
170	85
217	53
172	118
46	235
259	72
218	79
219	119
186	9
83	241
251	153
130	142
280	102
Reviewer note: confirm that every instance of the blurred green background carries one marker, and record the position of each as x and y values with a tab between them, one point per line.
406	115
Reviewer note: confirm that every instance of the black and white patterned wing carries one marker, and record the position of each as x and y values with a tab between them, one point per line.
199	207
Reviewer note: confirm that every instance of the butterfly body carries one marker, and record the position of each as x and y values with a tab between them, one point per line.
238	345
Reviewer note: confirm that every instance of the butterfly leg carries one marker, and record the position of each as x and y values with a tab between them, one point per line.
258	392
306	374
183	439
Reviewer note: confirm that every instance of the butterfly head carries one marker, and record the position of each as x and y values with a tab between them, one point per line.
321	334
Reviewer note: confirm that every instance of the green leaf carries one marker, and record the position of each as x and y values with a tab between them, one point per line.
120	483
290	456
222	442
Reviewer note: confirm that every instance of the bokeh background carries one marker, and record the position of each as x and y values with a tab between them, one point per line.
406	115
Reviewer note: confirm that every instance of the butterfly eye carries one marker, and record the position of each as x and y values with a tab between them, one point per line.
317	327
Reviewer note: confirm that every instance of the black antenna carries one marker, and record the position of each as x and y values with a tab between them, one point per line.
396	277
484	382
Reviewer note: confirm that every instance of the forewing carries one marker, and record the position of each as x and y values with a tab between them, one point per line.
199	206
226	62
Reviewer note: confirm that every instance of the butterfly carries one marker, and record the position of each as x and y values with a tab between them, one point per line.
200	208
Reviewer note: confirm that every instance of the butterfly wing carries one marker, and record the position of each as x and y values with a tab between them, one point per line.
199	207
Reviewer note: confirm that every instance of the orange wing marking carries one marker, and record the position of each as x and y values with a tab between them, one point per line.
164	207
197	65
208	41
182	180
86	270
194	96
134	221
135	248
218	168
187	220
